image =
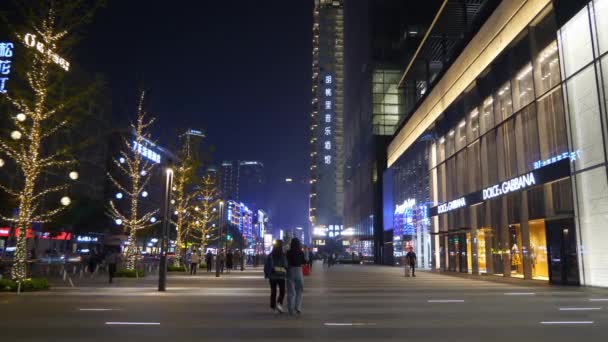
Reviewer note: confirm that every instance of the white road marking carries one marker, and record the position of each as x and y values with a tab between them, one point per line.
96	309
566	322
347	324
132	323
598	299
446	300
578	309
520	293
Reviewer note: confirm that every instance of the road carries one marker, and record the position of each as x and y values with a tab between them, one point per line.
345	303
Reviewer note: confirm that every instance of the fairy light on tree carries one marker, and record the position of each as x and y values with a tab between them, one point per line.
36	123
136	170
205	218
183	205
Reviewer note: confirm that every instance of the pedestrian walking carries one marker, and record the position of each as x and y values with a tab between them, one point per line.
311	258
410	261
275	270
295	278
194	260
229	261
112	260
209	260
221	258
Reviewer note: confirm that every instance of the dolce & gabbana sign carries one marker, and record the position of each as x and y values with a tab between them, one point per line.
543	175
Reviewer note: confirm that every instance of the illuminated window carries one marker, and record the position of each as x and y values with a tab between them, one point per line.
328	145
328	79
327	104
328	160
327	117
327	131
327	91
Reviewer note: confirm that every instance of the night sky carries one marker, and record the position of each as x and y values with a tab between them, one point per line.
239	70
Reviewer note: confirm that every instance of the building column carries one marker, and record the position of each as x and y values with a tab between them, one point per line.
525	235
474	264
504	237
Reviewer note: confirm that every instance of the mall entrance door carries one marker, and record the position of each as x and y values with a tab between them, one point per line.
562	253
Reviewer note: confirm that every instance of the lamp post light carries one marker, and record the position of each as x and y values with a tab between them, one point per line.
164	242
219	242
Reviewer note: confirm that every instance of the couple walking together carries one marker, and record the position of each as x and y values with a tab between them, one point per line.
281	268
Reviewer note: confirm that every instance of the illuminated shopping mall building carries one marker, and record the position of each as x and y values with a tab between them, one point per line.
500	168
327	155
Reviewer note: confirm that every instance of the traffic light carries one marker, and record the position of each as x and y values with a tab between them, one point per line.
228	237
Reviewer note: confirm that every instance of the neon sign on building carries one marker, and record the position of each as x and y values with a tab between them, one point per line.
328	106
6	53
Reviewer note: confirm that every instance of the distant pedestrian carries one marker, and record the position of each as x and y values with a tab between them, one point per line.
221	259
209	260
275	270
229	261
112	260
194	260
410	261
311	258
295	278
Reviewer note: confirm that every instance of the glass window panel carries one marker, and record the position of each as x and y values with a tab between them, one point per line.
450	143
507	146
489	167
504	104
473	125
601	13
523	87
486	117
575	41
546	69
474	167
441	150
461	135
461	169
552	125
585	124
528	149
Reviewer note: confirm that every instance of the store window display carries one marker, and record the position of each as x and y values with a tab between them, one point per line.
538	250
516	251
481	249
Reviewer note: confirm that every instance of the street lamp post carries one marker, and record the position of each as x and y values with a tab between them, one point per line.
219	241
164	242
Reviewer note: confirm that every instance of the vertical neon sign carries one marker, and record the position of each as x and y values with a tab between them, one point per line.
6	54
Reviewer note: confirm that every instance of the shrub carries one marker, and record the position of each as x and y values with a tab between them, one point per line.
129	273
176	269
30	284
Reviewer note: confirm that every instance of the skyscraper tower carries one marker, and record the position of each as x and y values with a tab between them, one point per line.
327	142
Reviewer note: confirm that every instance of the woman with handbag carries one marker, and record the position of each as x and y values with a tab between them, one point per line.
275	270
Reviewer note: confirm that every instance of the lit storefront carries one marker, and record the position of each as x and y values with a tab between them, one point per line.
515	163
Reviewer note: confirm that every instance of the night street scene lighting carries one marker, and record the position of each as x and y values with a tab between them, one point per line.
311	170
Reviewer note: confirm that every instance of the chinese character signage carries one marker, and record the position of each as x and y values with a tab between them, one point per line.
146	152
6	54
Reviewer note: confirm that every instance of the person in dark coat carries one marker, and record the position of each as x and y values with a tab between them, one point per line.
295	277
229	260
275	270
209	260
410	259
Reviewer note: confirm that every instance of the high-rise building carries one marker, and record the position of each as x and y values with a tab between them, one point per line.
327	126
243	181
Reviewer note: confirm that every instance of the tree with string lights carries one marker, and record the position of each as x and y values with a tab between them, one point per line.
206	213
37	122
136	171
183	202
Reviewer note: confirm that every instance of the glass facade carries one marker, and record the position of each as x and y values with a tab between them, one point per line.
387	101
540	105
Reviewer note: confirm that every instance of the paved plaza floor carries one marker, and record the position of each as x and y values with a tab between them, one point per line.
344	303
